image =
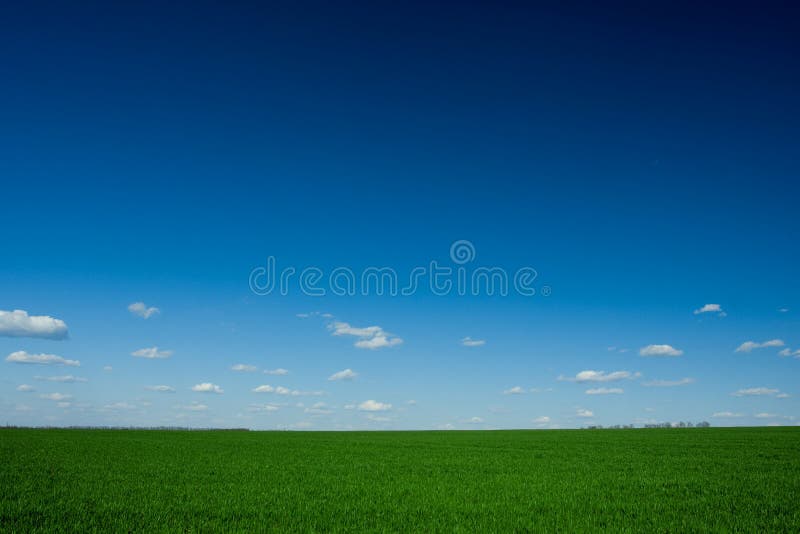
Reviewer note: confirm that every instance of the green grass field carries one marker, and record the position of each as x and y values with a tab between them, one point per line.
625	480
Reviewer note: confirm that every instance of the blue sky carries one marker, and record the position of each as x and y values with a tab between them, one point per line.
644	163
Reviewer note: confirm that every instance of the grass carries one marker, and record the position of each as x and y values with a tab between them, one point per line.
745	479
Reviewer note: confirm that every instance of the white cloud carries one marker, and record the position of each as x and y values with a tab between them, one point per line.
709	308
280	390
25	387
160	389
516	390
56	396
726	415
347	374
411	402
152	353
374	406
751	392
659	350
605	391
108	368
584	413
64	378
350	406
207	387
474	420
543	420
668	383
600	376
782	396
790	352
140	309
40	359
378	342
18	323
371	337
276	372
747	346
469	342
244	368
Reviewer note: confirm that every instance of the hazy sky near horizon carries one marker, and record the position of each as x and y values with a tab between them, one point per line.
642	159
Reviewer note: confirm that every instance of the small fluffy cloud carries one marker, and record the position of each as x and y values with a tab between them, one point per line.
276	372
160	389
600	376
152	353
371	337
63	378
207	387
143	311
26	388
18	323
516	390
40	359
668	383
584	413
790	352
347	374
782	396
660	350
753	392
266	388
56	396
108	368
374	406
605	391
710	308
474	420
543	420
748	346
469	342
243	368
726	415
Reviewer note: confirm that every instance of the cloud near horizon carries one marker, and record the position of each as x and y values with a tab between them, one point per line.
40	359
142	310
371	337
710	308
152	353
660	350
18	323
748	346
469	342
599	376
374	406
346	374
207	387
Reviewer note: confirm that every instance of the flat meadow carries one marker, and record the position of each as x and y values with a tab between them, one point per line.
714	479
